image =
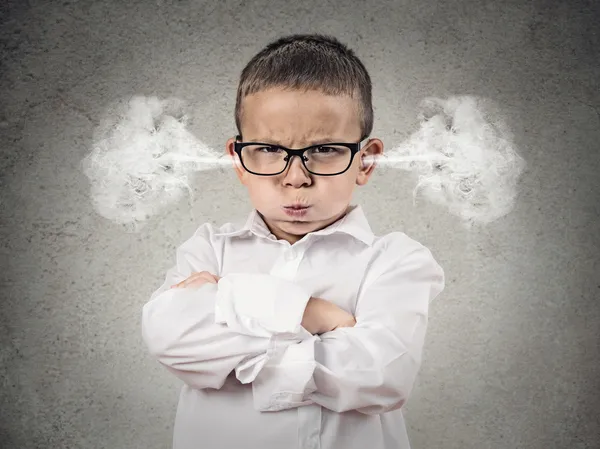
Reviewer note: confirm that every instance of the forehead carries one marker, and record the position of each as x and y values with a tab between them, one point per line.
292	117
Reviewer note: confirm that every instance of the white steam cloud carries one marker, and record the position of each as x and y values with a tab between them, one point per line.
143	159
464	156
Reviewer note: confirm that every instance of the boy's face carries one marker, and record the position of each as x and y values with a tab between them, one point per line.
296	119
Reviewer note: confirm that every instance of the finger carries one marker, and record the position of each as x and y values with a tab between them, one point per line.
198	275
191	278
181	282
210	278
199	280
213	276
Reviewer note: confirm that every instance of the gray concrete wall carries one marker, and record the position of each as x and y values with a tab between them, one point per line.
512	352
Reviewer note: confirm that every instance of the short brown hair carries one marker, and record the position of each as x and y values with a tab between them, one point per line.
308	62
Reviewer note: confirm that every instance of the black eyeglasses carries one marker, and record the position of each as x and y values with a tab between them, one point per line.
265	159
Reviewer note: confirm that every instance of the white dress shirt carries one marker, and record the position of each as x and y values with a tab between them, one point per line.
254	377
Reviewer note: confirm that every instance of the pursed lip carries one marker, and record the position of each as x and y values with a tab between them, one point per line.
296	206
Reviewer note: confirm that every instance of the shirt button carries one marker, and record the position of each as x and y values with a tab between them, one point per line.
291	255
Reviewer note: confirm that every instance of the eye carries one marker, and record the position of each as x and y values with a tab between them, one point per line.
268	149
325	150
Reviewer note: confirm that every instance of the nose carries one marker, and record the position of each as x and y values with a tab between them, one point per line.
296	174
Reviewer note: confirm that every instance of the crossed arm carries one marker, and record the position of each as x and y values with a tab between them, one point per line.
243	324
320	315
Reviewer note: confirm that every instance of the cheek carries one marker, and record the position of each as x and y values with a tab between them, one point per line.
260	190
332	190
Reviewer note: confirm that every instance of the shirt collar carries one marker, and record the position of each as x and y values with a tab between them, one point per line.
354	223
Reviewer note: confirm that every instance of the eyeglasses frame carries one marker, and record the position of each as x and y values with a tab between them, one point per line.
354	148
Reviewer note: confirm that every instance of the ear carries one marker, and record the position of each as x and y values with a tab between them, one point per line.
374	147
237	165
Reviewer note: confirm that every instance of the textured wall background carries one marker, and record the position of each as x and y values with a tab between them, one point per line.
512	358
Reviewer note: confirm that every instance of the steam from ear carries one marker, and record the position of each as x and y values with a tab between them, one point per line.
464	156
143	160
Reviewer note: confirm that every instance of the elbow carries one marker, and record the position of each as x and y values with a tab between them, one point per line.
386	393
372	396
387	389
385	402
164	343
391	389
162	347
373	401
153	333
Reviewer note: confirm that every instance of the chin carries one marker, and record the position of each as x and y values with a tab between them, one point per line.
296	222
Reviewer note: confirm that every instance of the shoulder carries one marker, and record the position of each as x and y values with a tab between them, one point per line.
205	247
208	235
396	245
211	231
397	251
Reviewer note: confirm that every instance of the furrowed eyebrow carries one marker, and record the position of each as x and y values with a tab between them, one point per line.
311	143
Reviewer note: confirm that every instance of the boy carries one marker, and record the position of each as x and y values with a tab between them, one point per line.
299	329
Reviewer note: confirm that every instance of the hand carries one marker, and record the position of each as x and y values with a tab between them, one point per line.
322	316
197	280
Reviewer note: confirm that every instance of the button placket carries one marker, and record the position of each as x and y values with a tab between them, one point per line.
309	427
290	255
288	263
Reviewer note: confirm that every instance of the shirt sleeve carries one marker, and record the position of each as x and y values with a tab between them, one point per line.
372	366
191	331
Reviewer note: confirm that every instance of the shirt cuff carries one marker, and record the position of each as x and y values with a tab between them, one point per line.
261	305
286	380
